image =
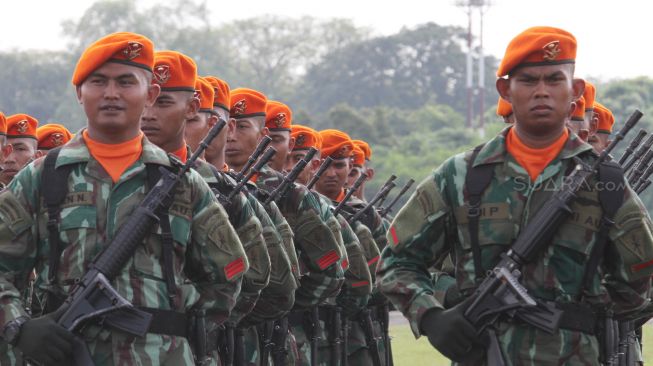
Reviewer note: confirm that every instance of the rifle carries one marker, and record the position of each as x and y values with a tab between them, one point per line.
643	177
370	338
377	197
350	192
391	179
634	143
384	317
267	342
639	153
279	335
267	155
323	167
637	171
252	158
500	293
384	211
93	298
291	177
345	342
335	340
314	320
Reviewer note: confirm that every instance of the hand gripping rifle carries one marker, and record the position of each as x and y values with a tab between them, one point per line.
501	293
634	143
350	192
252	158
377	197
323	167
93	299
384	211
291	177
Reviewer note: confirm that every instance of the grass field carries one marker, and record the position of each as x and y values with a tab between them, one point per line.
408	351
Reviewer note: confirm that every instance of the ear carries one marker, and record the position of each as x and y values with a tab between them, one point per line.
78	92
265	131
38	154
594	125
578	86
370	173
503	88
213	119
153	91
291	144
315	164
192	108
6	151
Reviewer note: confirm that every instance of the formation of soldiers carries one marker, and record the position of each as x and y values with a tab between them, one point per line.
266	252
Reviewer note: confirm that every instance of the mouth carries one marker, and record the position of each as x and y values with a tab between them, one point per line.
541	108
231	152
8	171
149	129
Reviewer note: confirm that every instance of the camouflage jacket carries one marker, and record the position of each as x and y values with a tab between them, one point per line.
249	230
209	259
433	223
317	247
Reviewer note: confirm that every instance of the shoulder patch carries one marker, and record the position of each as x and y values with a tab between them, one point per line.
13	214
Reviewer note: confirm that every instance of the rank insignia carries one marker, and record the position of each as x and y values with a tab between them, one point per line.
551	50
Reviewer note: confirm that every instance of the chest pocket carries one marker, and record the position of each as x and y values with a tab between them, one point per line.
78	236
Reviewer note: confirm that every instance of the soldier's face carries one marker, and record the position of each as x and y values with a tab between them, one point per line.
23	152
242	142
218	144
198	127
354	174
283	143
333	179
541	96
308	172
163	122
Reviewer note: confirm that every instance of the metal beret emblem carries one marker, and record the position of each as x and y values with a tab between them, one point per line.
280	119
56	139
21	126
132	50
161	74
239	107
551	50
301	139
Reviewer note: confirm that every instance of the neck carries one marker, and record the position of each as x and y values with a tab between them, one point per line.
216	160
112	136
538	141
173	144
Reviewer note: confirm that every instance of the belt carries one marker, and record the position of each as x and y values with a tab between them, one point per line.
168	322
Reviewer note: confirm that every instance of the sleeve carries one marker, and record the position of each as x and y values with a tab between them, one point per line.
416	239
628	260
18	243
216	260
358	280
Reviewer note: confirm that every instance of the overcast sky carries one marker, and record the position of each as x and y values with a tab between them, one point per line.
615	37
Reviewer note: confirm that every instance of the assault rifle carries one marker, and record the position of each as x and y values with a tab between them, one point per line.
383	192
384	211
260	148
323	167
501	293
350	192
291	177
632	146
93	299
267	155
646	146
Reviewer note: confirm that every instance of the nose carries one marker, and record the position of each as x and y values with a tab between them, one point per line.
111	91
147	115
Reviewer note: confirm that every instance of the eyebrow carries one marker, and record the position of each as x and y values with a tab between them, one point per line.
121	76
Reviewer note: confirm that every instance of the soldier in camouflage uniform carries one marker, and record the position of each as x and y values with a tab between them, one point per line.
21	135
318	249
355	291
108	179
536	77
5	148
178	110
278	297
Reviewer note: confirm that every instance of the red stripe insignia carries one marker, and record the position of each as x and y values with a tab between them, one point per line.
328	259
234	268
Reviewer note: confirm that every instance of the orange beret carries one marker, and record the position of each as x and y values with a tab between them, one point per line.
365	147
124	47
22	125
538	46
504	108
589	95
52	135
204	92
174	71
278	116
579	110
247	103
221	91
358	155
3	124
305	138
606	118
336	144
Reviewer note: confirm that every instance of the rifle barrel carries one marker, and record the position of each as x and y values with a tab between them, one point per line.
260	148
323	167
632	146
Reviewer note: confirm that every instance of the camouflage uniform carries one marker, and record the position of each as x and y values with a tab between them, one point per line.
209	258
433	223
319	248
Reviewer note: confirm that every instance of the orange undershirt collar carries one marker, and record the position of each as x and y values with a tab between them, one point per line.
534	160
341	195
182	153
115	158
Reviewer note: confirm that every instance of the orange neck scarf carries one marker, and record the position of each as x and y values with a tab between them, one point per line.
181	153
341	195
534	160
115	158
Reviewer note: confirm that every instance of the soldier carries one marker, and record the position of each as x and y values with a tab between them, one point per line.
5	148
361	165
21	135
536	77
604	120
109	167
313	226
278	122
504	110
52	135
577	122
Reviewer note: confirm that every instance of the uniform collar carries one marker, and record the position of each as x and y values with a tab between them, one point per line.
494	151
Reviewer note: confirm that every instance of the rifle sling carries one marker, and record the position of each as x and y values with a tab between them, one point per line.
477	180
